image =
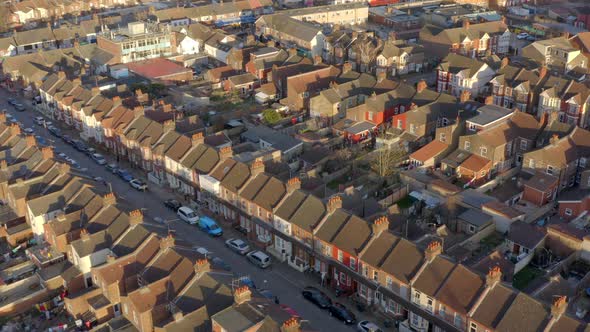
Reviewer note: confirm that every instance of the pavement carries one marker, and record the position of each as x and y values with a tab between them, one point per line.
282	280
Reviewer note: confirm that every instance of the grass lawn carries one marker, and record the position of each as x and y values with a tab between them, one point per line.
525	276
492	241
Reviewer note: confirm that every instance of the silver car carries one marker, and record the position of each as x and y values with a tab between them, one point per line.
238	246
259	259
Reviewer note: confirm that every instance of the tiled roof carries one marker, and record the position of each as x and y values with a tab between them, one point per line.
428	151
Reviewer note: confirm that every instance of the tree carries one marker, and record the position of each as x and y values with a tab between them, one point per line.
271	116
385	160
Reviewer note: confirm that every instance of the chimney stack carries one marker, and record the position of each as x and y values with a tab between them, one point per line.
64	168
31	141
242	295
168	241
434	249
494	276
77	81
558	306
225	152
169	125
465	96
293	184
381	76
291	325
135	217
14	129
380	225
421	86
116	101
2	116
334	203
109	199
202	266
197	139
292	51
47	152
317	60
554	139
489	100
61	74
84	235
257	168
3	164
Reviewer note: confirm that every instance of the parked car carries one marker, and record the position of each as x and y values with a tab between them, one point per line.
219	263
11	101
187	215
209	225
238	246
522	35
367	326
67	139
39	120
137	184
342	313
316	297
90	151
54	131
172	204
531	38
41	140
124	174
79	145
98	158
259	259
203	251
29	130
19	107
112	168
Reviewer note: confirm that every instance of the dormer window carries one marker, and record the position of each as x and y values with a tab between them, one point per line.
467	146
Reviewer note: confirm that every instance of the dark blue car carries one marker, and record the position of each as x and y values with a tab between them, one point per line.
123	174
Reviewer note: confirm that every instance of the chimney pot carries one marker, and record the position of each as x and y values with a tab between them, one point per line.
47	152
434	249
202	266
293	184
559	305
225	152
111	258
257	168
242	295
334	203
346	67
465	96
2	116
197	139
31	141
135	217
168	241
494	276
84	235
380	225
109	199
489	100
14	129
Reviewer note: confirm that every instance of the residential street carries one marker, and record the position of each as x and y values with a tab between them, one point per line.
282	280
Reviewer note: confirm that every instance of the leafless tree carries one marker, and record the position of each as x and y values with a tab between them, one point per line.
385	161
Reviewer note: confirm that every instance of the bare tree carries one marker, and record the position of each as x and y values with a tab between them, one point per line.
385	161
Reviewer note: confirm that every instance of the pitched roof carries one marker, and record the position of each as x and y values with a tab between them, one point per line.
433	276
461	289
378	249
430	150
525	234
455	63
403	261
290	26
493	305
524	314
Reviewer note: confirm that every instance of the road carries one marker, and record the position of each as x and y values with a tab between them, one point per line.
281	280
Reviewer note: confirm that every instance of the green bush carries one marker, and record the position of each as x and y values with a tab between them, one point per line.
271	116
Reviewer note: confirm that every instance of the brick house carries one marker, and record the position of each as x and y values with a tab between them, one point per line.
517	87
472	40
564	158
458	73
565	100
302	87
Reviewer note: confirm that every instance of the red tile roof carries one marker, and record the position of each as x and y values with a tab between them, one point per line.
156	68
475	163
428	151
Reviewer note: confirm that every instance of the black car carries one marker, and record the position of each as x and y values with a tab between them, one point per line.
172	204
79	145
11	101
67	139
317	297
54	131
339	311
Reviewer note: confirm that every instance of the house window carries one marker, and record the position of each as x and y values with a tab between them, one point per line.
340	256
531	163
550	170
583	162
471	229
568	212
413	128
389	282
375	275
363	290
467	145
472	327
365	270
523	145
417	297
429	303
443	137
458	320
352	263
399	124
370	116
442	311
483	151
